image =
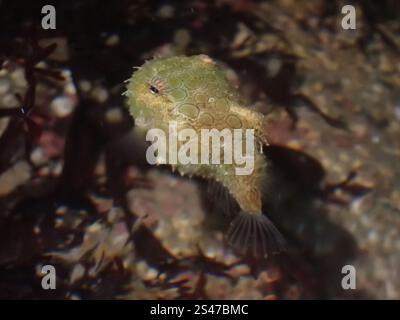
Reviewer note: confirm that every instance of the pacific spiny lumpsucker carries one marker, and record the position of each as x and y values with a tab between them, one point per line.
194	93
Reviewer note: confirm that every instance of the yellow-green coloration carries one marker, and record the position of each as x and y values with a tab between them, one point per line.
194	92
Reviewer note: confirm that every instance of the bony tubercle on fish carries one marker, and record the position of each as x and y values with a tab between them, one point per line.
193	93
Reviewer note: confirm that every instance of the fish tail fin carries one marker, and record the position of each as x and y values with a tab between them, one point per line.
255	234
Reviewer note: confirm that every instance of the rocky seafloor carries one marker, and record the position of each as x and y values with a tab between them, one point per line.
76	192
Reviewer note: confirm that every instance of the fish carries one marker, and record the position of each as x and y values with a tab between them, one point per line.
194	93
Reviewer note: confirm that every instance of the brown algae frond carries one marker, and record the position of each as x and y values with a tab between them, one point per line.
193	93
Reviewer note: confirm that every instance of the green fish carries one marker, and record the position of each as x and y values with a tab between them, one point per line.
193	93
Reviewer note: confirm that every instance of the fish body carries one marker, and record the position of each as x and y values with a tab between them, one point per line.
193	93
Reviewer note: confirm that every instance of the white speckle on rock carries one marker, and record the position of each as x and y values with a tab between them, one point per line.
85	86
273	67
9	101
100	94
38	157
4	86
17	175
57	168
18	78
112	40
77	273
113	115
166	11
62	106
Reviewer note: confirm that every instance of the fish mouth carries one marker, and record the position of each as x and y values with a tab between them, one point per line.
149	119
143	121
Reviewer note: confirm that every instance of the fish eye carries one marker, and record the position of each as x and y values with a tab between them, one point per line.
154	89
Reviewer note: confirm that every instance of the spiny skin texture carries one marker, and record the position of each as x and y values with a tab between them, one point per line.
194	92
